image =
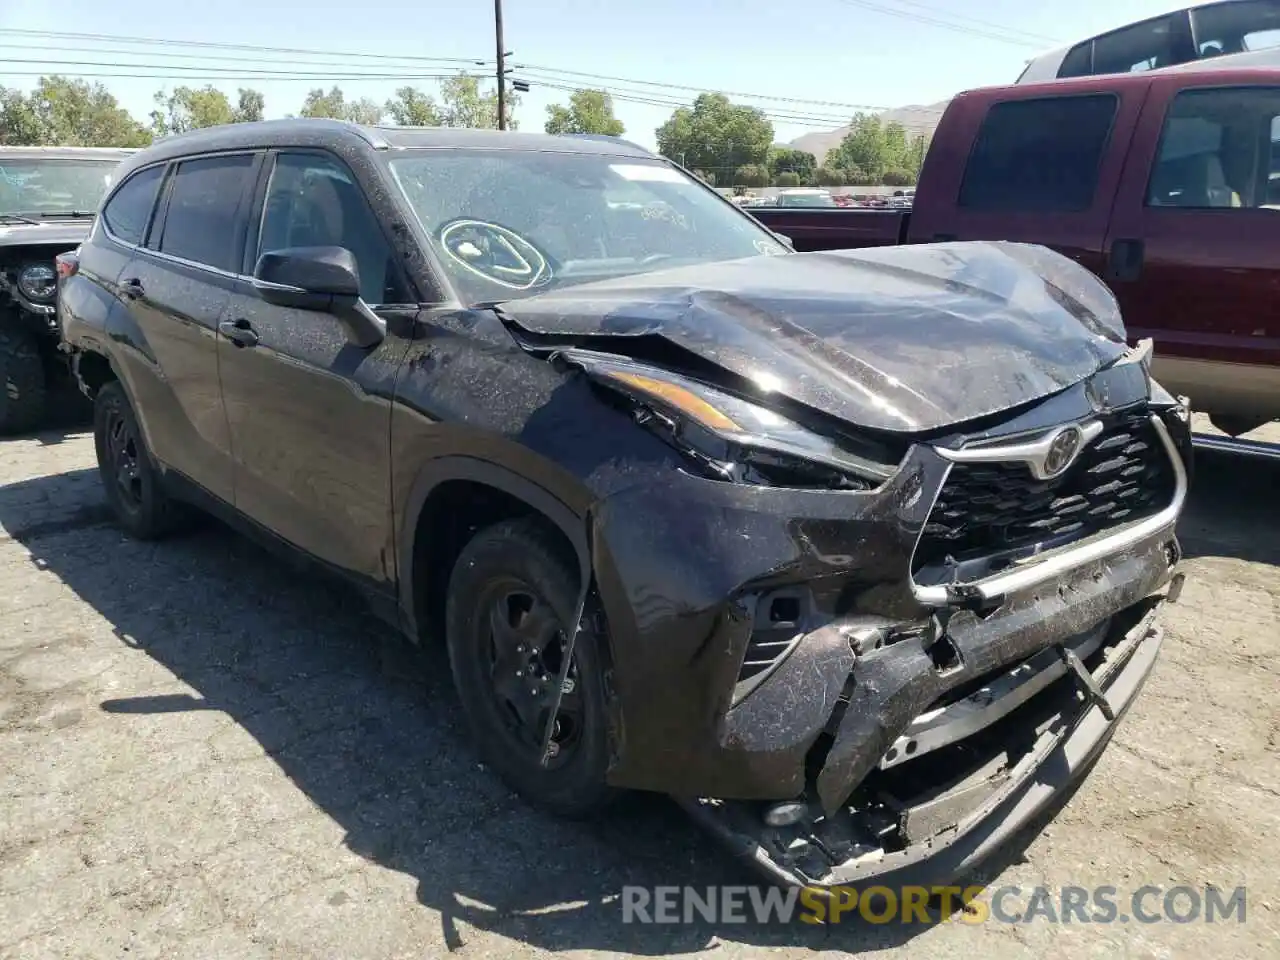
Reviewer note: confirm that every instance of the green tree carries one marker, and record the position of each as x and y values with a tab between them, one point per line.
830	177
715	135
189	109
335	106
863	147
752	175
589	111
20	124
413	108
799	162
67	112
915	154
788	178
250	106
898	177
463	104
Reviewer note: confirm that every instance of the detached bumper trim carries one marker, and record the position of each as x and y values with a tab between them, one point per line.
1060	758
1050	566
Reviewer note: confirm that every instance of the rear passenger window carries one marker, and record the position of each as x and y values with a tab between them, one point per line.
1144	46
128	211
1039	155
199	224
1218	150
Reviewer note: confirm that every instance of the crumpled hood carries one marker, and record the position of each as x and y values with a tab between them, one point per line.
901	339
68	233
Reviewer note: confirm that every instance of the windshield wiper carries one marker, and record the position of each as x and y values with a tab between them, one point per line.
17	218
73	214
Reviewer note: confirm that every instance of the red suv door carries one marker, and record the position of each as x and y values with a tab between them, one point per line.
1193	250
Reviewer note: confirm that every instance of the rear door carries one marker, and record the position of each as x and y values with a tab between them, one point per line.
1038	168
176	286
1194	245
309	411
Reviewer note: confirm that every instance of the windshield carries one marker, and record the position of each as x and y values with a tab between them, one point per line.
805	200
40	187
511	223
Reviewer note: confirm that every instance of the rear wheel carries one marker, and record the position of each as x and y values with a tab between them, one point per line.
510	606
22	381
129	477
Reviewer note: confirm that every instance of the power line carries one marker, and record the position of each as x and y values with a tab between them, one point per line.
241	76
1039	37
526	67
349	55
230	73
1000	37
207	44
220	58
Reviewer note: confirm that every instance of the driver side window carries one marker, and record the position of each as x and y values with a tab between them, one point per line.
313	201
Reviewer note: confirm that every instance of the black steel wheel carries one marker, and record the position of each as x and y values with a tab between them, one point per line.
511	601
130	480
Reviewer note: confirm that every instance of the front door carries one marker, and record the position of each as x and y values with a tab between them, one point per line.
309	411
1192	249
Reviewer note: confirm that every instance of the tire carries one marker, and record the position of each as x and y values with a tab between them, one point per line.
22	381
129	476
509	573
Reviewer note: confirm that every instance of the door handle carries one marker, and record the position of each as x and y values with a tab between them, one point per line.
1125	260
132	288
239	332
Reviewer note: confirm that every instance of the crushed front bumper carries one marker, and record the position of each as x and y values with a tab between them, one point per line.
963	810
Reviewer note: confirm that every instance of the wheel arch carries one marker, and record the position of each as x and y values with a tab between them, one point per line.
448	500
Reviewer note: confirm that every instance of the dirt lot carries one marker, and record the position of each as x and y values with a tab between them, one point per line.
206	753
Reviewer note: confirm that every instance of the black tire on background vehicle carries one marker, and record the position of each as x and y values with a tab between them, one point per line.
129	478
511	600
22	381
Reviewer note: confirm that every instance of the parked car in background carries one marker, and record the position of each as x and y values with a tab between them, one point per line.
1164	184
48	197
690	512
804	197
1235	29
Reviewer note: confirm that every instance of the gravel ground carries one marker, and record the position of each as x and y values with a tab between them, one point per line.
205	752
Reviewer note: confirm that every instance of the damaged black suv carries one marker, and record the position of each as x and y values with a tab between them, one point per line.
857	554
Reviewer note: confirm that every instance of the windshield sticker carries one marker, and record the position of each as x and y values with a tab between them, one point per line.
647	173
494	253
769	248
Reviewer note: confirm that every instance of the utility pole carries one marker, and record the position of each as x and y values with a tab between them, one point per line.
502	65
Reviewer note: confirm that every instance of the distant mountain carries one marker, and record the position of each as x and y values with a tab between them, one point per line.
916	119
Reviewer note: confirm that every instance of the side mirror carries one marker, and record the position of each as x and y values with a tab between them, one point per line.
323	279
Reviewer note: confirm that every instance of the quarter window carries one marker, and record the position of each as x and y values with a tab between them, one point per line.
1144	46
1218	150
312	201
199	224
1039	155
128	211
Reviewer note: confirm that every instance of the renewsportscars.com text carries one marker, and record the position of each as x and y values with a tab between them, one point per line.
973	905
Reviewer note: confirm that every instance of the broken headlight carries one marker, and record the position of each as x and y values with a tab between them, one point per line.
730	437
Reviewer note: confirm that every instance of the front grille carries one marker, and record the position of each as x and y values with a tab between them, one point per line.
985	509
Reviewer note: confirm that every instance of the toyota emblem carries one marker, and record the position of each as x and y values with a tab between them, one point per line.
1062	451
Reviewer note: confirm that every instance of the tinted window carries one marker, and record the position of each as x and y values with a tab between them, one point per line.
199	224
129	209
1226	28
312	201
1144	46
1078	62
1218	150
1039	155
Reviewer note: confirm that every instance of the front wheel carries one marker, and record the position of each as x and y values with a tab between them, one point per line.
510	606
22	381
129	477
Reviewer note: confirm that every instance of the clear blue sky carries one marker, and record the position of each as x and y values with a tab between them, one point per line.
879	53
